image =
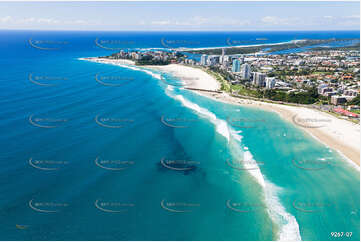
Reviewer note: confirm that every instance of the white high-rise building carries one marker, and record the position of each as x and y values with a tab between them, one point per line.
270	82
241	59
245	71
204	59
236	65
221	59
213	60
258	79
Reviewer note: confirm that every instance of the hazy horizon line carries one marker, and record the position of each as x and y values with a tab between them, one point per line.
80	30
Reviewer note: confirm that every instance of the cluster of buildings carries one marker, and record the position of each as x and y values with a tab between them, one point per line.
340	93
334	73
165	56
239	68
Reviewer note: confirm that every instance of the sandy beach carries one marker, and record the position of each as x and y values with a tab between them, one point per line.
192	77
338	134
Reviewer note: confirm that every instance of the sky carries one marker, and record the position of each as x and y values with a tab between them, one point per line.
180	16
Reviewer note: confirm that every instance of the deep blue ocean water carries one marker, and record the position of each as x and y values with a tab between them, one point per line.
143	160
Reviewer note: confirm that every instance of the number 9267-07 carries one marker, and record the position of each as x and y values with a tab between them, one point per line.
341	234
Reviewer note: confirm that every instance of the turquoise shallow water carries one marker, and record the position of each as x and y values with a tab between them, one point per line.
145	161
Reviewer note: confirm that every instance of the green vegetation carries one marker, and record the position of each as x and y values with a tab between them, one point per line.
357	111
225	74
344	48
355	101
150	58
287	72
151	62
308	97
244	91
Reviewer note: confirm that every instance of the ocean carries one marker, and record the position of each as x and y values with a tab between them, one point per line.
100	152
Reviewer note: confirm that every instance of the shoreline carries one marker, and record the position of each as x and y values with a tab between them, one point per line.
191	77
344	140
341	135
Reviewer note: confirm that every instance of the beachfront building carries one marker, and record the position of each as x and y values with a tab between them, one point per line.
204	59
258	79
236	65
225	61
245	71
241	59
213	60
221	59
350	92
326	90
338	100
270	82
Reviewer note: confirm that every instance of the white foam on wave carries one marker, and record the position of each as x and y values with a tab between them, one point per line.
349	162
250	164
155	75
221	125
170	88
289	228
236	135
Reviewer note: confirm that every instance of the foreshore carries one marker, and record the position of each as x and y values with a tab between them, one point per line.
192	77
338	134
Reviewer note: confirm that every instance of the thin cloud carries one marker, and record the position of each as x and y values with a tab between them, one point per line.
275	20
47	21
200	21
